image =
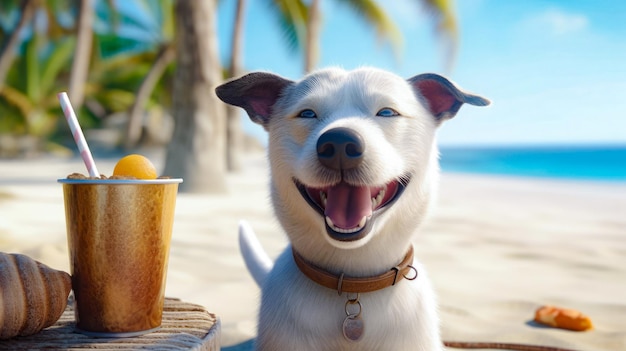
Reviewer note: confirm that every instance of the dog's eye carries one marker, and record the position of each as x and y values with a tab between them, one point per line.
308	113
387	112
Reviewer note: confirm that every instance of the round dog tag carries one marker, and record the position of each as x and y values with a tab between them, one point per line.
353	328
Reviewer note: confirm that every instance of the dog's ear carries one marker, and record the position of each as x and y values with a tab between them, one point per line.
443	97
255	92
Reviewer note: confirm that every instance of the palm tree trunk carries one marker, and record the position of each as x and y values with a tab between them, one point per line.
82	53
311	54
196	152
234	134
8	51
165	56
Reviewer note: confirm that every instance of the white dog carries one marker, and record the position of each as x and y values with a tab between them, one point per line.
354	168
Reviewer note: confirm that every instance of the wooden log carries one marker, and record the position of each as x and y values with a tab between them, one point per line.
185	326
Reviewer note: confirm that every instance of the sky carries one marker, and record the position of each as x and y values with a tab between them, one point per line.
554	70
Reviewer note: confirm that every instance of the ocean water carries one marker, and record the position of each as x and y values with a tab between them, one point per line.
597	163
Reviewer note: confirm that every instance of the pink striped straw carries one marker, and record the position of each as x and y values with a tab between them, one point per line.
79	138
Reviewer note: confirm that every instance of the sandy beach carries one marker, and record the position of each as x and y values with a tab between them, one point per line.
496	249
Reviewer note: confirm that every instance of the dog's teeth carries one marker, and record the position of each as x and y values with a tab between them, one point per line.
375	202
330	222
346	231
323	198
378	199
363	222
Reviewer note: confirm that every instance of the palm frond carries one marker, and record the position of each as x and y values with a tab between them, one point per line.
61	17
167	21
292	15
17	99
54	63
443	13
31	56
116	99
376	16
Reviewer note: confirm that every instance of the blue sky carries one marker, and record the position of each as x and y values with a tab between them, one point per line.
555	70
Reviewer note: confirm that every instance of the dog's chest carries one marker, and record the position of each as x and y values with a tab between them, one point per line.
301	309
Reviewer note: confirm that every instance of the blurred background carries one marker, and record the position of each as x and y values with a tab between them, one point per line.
141	73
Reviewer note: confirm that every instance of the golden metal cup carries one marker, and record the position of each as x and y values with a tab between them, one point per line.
118	235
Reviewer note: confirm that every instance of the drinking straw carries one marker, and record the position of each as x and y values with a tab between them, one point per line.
77	133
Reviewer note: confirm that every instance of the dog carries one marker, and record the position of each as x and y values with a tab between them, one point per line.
354	170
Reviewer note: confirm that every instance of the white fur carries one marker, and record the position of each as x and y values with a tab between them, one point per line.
297	313
258	262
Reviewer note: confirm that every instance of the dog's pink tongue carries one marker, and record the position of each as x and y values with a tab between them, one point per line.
346	205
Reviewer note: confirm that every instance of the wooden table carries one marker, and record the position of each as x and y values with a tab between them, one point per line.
185	327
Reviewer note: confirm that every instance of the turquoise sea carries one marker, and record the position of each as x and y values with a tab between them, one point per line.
597	163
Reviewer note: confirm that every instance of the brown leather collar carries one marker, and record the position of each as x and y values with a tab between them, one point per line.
343	283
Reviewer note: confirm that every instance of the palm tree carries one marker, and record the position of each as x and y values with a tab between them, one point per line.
234	133
82	53
197	149
164	58
292	15
84	34
162	11
8	51
40	71
369	10
29	97
302	24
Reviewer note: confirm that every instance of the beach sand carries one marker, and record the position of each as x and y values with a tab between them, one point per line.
496	249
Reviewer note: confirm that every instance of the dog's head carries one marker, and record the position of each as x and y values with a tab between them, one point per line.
347	148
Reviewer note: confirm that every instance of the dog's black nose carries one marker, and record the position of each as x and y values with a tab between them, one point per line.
340	148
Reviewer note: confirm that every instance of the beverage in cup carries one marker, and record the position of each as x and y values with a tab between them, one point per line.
118	234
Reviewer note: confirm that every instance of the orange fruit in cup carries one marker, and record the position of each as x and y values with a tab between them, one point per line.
136	166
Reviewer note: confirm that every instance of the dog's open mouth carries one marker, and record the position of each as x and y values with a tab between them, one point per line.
349	210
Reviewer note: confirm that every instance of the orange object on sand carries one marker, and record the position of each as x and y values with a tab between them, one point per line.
563	318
